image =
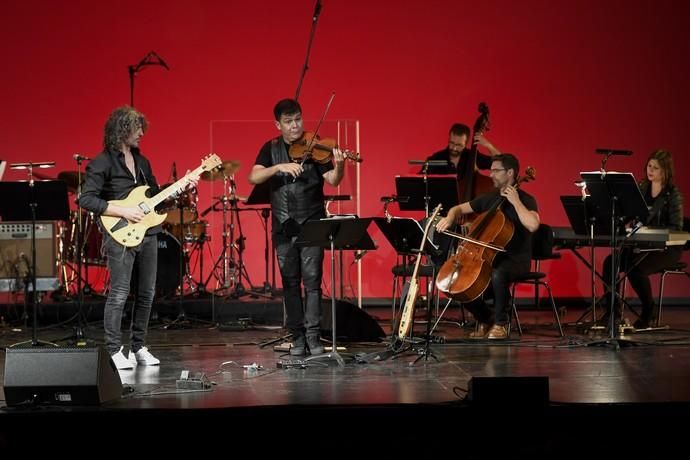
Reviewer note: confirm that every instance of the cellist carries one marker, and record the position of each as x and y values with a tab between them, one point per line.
521	209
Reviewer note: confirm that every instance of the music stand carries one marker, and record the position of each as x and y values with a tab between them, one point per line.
586	218
335	233
35	200
425	192
618	195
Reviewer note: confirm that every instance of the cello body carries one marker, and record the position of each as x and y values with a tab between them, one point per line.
466	274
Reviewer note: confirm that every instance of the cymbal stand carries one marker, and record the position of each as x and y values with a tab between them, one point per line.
78	336
239	246
224	256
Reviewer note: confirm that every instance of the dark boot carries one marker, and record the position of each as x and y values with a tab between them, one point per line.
314	344
298	346
646	319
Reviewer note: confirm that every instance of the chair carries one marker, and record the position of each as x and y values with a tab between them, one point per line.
679	268
542	249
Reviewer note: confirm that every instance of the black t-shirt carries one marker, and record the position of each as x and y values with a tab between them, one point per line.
520	246
483	162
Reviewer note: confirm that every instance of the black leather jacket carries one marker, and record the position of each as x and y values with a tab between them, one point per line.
666	209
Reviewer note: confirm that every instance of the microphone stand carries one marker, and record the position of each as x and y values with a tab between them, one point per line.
150	59
315	20
33	204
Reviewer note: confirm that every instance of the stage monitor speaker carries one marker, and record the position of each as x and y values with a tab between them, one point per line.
509	391
15	249
63	376
352	323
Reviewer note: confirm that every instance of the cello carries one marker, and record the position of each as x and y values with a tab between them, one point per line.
466	274
473	183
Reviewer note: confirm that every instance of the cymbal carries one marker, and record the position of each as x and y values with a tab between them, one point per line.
226	168
71	178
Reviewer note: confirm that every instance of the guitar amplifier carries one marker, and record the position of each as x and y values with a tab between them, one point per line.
15	254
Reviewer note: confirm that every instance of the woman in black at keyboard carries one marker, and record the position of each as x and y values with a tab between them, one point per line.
666	211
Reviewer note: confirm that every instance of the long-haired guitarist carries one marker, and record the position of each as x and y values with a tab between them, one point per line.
111	176
520	208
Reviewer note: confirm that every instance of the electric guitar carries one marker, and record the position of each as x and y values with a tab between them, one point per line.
413	290
131	234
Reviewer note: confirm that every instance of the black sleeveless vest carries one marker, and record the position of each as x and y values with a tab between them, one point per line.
300	199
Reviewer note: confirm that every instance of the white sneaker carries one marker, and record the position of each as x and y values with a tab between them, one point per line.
132	358
145	358
120	361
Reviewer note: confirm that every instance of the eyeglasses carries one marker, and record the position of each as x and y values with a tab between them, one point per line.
497	170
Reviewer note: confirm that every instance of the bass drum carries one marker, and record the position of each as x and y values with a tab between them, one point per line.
168	274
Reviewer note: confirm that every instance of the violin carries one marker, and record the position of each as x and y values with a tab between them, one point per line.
466	274
311	146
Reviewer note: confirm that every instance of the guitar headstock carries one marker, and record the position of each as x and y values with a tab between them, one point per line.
210	161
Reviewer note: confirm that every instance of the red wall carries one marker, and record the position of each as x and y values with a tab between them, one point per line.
561	79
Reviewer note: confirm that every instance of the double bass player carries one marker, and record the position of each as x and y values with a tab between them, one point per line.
518	207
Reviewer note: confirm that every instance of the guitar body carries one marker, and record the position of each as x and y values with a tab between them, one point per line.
407	316
131	234
408	310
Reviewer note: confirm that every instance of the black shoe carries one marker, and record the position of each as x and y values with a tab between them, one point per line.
298	346
314	344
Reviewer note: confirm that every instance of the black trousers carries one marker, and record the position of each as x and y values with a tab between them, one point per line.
637	268
504	272
300	265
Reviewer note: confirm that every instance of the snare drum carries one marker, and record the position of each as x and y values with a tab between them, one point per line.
187	202
189	232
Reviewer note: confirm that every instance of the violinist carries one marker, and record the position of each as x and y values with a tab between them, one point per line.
458	155
296	197
521	209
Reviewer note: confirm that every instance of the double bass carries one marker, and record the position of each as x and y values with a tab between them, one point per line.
472	183
466	274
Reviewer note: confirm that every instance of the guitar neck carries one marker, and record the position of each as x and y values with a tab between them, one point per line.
174	187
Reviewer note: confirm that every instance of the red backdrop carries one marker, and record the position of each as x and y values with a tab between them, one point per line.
561	79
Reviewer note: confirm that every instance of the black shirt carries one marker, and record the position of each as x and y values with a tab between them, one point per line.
483	162
520	246
108	178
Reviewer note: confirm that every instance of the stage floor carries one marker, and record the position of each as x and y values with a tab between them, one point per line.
254	380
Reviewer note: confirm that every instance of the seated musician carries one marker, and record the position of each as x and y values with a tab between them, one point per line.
666	211
458	155
521	209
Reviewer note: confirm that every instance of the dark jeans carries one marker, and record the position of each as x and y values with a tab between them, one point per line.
122	263
637	268
301	265
505	271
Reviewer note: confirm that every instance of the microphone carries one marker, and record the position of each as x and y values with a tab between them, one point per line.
613	152
160	60
78	157
174	171
317	10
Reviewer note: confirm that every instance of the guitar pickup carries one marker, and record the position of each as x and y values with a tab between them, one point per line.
144	207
